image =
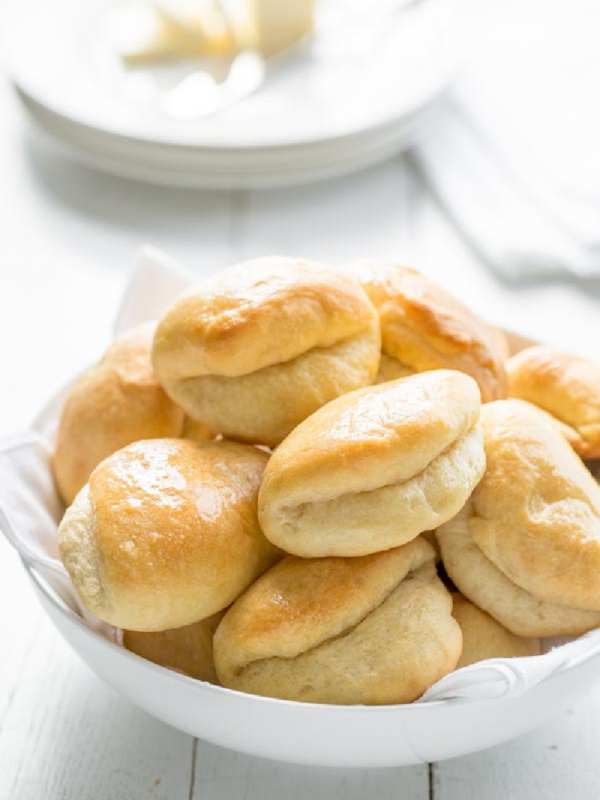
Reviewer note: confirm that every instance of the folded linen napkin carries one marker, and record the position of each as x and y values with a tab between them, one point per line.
30	510
512	154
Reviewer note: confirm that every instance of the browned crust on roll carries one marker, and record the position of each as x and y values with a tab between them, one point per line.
254	350
117	402
188	650
423	327
166	533
256	314
375	629
565	385
373	469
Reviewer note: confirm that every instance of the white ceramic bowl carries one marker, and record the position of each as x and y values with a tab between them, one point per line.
326	735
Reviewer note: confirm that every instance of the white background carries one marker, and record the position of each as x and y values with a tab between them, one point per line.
68	238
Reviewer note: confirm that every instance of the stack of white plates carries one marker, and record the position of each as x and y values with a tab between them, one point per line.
344	103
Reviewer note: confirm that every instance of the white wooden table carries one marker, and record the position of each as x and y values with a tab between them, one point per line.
68	238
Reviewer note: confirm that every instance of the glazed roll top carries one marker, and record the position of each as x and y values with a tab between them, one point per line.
257	348
117	402
484	637
373	469
536	513
423	328
166	532
376	629
564	384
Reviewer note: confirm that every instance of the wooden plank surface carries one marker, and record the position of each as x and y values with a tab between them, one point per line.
222	775
558	762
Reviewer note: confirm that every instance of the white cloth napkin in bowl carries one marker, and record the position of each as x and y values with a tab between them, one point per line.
30	510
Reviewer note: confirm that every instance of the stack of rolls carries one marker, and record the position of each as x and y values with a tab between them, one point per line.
261	485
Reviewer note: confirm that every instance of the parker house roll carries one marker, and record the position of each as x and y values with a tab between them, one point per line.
117	402
165	533
373	469
484	637
488	587
567	386
188	650
538	508
526	548
254	350
373	630
423	328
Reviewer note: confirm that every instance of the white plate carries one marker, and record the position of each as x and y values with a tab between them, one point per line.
332	110
196	168
58	57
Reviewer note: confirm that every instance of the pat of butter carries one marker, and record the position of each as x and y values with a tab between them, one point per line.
203	35
268	26
278	24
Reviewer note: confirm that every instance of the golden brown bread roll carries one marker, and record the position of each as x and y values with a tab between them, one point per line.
373	469
565	431
188	650
484	637
536	512
194	429
564	384
489	588
117	402
423	327
502	342
374	630
257	348
165	533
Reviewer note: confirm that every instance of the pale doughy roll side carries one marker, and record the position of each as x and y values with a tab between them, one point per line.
431	539
371	630
375	468
484	637
564	384
117	402
489	588
423	327
254	350
166	533
536	512
188	650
